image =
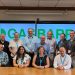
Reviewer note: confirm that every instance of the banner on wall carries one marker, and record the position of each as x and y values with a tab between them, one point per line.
56	29
10	28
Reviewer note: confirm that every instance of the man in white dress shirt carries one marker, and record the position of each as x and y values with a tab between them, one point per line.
63	60
13	46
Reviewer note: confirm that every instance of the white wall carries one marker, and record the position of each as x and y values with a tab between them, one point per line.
11	15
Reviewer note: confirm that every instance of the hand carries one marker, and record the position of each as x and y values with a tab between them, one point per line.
60	67
41	67
20	65
0	64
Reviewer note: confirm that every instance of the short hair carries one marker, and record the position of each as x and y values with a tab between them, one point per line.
50	31
16	33
30	28
72	31
62	47
63	34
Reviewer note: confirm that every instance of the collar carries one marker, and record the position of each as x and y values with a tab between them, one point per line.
1	52
17	40
49	38
63	56
30	36
42	44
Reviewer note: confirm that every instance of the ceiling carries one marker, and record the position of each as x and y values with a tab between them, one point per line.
25	7
38	3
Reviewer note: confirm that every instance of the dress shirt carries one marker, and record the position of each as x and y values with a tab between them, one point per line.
52	44
62	61
29	43
14	45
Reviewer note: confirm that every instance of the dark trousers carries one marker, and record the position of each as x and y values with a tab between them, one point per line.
10	61
52	56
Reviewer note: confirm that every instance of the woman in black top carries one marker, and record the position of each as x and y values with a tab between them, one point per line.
40	60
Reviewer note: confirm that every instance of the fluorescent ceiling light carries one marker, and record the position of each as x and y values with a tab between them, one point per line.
36	13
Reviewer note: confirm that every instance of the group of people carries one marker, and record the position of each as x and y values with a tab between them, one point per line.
38	53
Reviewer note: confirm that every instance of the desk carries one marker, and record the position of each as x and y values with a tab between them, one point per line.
34	71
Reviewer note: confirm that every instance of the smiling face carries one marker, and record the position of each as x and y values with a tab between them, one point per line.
62	36
62	51
30	32
21	51
2	37
16	36
49	35
42	39
1	47
41	50
72	34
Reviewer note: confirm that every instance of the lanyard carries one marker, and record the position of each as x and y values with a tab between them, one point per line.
62	61
21	61
41	60
16	44
30	39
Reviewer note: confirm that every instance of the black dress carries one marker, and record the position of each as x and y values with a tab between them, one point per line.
41	61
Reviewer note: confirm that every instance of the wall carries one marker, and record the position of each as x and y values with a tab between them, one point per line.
12	15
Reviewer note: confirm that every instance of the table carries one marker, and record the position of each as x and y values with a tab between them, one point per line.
34	71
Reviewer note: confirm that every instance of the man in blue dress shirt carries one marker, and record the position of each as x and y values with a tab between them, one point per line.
29	43
44	44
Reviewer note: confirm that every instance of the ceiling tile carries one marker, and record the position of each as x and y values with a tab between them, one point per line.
1	4
40	3
11	2
66	3
29	2
48	3
48	0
